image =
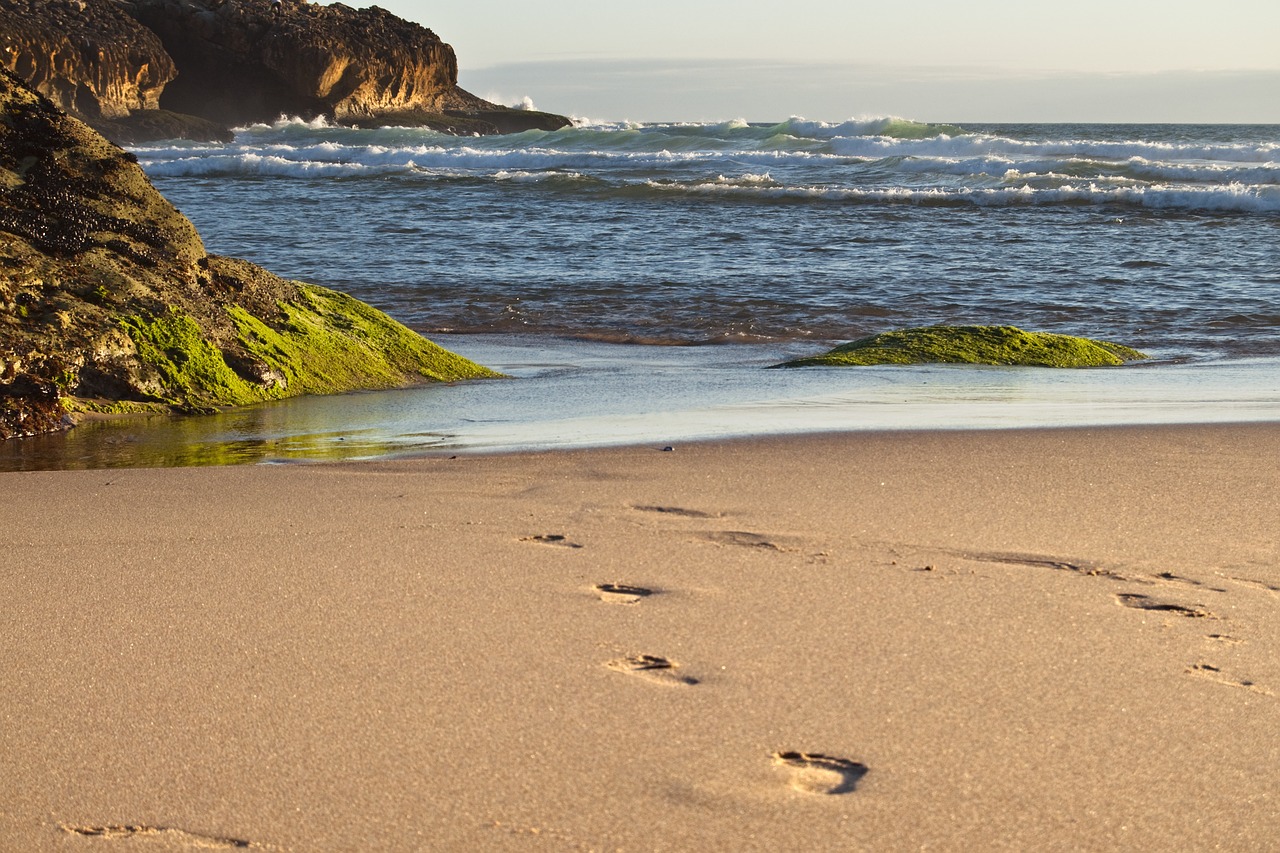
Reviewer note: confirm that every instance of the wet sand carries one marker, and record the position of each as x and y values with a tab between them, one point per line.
1033	639
576	394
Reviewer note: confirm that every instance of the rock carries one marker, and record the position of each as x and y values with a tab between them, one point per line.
997	345
108	300
97	63
139	70
239	63
89	58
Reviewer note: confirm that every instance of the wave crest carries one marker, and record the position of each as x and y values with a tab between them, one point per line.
864	160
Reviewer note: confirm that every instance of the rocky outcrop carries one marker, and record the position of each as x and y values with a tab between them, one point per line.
108	300
146	68
98	63
89	58
240	62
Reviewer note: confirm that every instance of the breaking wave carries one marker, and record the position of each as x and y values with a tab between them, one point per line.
884	160
734	231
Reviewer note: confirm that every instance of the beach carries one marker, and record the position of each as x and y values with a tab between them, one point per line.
280	575
1051	639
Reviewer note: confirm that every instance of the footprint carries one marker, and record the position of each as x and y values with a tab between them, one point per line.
551	539
180	836
1039	561
1146	602
618	593
1224	638
744	539
676	510
813	773
1177	580
1213	673
653	668
1255	584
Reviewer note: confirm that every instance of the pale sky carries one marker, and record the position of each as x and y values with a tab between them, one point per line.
980	60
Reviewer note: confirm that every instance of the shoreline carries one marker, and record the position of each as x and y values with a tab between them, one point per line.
1055	638
575	394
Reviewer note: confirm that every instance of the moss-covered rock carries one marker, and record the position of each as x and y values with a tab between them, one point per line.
329	340
109	302
1000	345
324	343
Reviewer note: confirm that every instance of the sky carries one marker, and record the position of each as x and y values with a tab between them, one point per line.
928	60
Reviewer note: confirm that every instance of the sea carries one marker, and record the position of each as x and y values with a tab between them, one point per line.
637	281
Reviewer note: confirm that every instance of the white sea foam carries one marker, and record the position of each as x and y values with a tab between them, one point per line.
536	177
883	159
252	165
1230	197
287	122
968	146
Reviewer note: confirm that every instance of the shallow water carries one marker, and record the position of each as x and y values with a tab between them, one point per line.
574	260
578	394
1155	236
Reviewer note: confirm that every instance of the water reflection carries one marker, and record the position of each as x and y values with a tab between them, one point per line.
182	441
574	394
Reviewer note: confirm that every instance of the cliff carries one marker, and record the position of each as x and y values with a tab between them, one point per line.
142	69
95	62
109	302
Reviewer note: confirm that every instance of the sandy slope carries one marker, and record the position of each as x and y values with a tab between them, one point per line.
1050	640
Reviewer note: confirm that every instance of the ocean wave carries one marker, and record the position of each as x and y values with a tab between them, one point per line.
319	157
658	146
452	160
1224	198
251	165
765	177
892	127
1077	149
874	160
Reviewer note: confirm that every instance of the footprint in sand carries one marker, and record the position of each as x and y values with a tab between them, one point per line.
813	773
1255	584
119	832
676	510
1178	580
1215	674
1146	602
1224	638
1040	561
746	539
551	539
619	593
653	668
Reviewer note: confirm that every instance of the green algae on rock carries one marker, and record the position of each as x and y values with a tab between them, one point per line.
996	345
329	340
326	342
110	303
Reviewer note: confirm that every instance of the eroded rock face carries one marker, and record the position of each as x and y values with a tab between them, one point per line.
87	56
240	62
107	297
152	69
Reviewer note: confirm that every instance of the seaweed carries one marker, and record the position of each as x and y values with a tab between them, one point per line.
995	345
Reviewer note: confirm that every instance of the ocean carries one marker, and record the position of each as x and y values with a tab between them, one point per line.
637	279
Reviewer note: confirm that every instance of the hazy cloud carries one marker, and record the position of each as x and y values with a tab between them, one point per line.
713	90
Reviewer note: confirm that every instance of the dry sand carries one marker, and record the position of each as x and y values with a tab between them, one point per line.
1031	640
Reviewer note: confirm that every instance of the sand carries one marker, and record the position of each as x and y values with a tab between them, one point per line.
1048	640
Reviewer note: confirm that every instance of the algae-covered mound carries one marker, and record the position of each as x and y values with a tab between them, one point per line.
109	302
1002	345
